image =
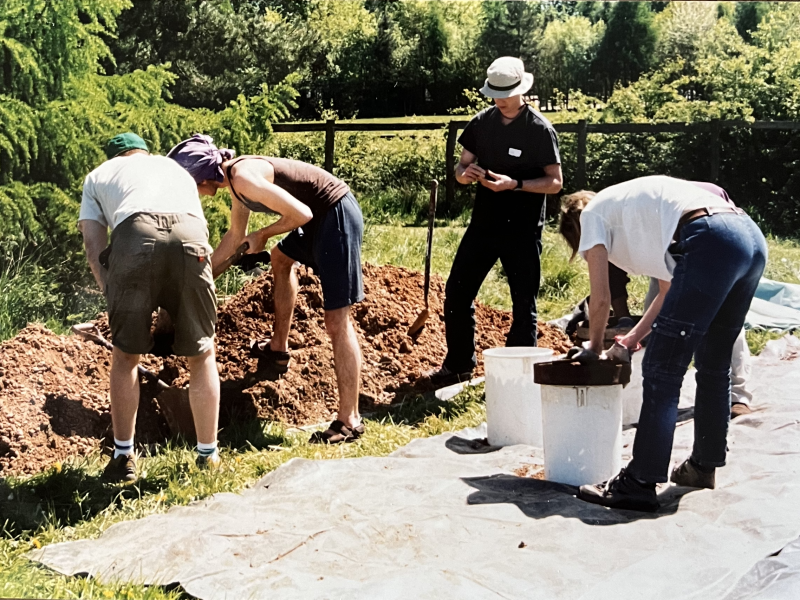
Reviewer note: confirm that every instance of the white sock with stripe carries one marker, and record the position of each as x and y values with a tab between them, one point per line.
207	449
123	447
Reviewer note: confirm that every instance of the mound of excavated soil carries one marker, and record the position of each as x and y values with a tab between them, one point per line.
54	389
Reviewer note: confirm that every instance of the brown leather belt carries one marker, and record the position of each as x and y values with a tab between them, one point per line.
708	211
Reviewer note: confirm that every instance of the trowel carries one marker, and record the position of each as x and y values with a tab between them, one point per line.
419	323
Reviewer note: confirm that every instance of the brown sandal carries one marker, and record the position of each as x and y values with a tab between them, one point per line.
270	361
337	433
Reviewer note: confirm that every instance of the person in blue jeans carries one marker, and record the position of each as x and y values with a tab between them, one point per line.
708	257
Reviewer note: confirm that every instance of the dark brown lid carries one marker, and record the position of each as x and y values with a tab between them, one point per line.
566	372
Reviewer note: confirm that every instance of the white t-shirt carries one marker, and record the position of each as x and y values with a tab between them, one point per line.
636	220
147	183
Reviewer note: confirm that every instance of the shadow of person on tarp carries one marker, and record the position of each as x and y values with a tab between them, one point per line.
539	499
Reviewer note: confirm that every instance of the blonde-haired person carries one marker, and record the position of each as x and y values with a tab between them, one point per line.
708	257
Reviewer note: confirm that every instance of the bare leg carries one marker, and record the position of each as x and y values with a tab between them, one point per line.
285	280
124	381
347	362
204	395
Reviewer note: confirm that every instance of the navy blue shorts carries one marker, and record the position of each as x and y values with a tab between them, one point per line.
332	247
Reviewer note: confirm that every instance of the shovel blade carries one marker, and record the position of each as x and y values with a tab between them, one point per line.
418	324
175	406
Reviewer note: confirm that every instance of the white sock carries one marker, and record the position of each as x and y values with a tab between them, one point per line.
123	447
207	449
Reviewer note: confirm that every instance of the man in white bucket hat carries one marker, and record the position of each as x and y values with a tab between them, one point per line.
511	151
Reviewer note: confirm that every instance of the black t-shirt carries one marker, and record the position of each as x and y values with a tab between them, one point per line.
520	149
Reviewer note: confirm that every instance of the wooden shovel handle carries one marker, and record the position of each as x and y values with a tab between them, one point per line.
219	269
89	331
429	250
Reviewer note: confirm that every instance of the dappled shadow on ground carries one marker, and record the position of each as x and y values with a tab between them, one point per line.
539	499
64	497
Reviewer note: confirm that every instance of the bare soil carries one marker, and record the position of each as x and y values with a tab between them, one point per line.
54	389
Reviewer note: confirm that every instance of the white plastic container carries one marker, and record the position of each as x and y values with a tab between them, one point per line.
513	400
582	429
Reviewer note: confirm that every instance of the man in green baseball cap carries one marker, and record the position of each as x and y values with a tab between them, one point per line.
124	142
159	257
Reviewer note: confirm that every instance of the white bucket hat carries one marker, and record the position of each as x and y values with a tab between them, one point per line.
506	77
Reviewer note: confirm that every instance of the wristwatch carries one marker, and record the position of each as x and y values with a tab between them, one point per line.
519	184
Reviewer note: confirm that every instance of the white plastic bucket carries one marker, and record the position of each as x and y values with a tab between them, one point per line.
582	429
513	400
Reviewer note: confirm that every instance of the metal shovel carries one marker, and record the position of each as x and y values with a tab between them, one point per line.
173	402
419	324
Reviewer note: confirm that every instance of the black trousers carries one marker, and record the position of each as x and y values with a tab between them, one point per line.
517	242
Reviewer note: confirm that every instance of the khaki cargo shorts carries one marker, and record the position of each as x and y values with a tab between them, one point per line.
161	260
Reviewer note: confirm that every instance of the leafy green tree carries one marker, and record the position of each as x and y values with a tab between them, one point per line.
46	42
628	45
748	15
682	27
566	53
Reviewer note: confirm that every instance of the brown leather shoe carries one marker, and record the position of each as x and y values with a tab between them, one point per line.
688	475
121	469
739	409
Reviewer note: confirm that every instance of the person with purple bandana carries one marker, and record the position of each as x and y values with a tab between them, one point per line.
325	229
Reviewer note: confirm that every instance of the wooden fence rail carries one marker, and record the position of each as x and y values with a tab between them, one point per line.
581	128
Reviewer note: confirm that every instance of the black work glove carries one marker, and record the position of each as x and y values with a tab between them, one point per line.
582	355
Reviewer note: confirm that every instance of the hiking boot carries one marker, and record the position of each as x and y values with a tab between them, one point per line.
337	433
444	376
624	492
739	409
121	469
208	463
688	474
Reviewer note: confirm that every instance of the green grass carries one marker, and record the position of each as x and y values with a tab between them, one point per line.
70	502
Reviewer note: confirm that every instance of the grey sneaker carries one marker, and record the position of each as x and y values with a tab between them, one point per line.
121	469
688	475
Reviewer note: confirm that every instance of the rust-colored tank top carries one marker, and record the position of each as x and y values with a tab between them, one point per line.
314	187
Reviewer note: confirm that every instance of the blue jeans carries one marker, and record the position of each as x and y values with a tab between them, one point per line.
720	260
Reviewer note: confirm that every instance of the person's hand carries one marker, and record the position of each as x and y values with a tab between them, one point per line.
582	355
622	350
498	183
257	241
618	353
474	173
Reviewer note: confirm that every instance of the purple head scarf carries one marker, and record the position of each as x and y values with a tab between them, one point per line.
201	157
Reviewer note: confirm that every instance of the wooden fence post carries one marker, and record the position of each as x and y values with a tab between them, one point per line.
715	131
580	166
330	144
450	166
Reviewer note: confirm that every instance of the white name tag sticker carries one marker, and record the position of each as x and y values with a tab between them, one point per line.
514	152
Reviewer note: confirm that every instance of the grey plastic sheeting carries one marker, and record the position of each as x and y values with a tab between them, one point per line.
446	517
774	578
